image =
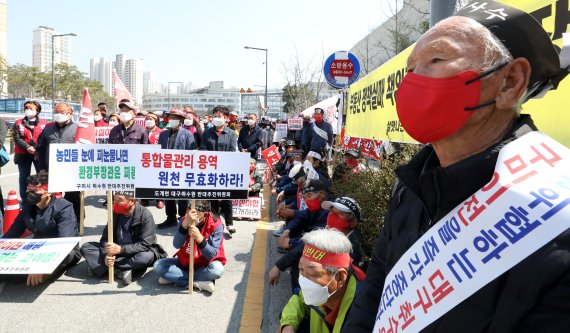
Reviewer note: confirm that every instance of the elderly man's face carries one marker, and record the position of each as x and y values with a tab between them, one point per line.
317	273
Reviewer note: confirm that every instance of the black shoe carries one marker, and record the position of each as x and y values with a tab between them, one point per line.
125	276
167	224
105	203
231	229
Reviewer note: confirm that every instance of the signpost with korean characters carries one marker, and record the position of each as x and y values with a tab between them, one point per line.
341	69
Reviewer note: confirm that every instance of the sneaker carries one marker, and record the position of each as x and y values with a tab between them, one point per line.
205	285
279	232
167	224
163	280
231	229
127	277
160	204
105	203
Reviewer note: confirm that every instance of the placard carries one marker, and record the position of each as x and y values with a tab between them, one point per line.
34	256
247	208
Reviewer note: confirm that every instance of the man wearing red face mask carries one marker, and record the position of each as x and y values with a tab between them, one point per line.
467	78
323	136
314	217
134	246
344	215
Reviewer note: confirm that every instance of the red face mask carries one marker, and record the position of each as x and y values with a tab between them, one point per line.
431	109
335	221
120	209
251	168
314	204
351	163
233	118
318	118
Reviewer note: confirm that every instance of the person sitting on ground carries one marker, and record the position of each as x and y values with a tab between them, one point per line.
317	162
207	232
46	216
352	163
255	180
344	216
314	217
134	247
328	285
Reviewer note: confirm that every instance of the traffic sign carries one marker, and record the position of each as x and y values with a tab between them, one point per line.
341	69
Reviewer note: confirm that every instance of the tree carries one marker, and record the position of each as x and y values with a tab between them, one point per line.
303	86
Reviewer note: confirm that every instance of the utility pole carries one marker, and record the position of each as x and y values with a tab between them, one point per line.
440	9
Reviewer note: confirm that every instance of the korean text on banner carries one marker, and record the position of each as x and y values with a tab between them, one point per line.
523	207
295	124
271	156
247	208
91	167
371	112
280	132
191	174
34	256
102	134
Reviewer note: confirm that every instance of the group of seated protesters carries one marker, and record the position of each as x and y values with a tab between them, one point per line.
320	241
134	247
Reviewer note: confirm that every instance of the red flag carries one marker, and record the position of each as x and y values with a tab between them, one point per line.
86	126
121	92
271	155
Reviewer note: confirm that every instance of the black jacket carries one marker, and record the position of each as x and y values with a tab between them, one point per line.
533	296
250	139
54	133
226	141
142	232
55	221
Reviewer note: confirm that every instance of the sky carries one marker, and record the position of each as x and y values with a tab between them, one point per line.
198	41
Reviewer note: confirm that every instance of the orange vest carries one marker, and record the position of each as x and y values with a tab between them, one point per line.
28	134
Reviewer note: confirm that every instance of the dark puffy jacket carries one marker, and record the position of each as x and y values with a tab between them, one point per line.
54	133
306	221
318	143
135	134
533	296
226	141
306	136
250	139
142	232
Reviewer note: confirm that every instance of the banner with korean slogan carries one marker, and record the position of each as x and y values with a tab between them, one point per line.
280	132
34	256
371	111
523	207
92	167
295	124
247	208
271	156
102	134
191	174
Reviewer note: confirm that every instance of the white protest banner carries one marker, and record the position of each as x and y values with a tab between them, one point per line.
247	208
102	134
34	256
295	124
92	167
520	210
191	174
280	132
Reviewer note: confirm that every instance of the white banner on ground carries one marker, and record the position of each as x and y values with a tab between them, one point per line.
522	208
191	174
34	256
92	167
247	208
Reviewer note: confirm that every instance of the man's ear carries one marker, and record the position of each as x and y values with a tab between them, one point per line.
342	277
513	84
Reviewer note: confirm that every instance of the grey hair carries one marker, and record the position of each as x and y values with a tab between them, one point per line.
329	240
494	51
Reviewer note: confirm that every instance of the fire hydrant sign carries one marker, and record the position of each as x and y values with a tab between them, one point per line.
191	174
75	167
249	208
34	256
341	69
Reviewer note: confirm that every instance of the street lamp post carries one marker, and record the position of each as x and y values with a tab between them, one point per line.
168	99
53	65
266	52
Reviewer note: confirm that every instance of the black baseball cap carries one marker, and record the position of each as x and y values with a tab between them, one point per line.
344	204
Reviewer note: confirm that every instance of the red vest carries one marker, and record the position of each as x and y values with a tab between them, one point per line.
199	260
26	134
101	123
154	134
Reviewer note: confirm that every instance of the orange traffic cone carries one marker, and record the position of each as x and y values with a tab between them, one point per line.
11	211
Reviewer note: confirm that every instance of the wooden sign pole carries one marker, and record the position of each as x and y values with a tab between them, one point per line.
191	261
110	230
81	213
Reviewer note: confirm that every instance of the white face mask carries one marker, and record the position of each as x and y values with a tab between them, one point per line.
173	123
30	113
125	116
149	123
251	122
113	123
219	122
314	293
187	122
60	118
97	118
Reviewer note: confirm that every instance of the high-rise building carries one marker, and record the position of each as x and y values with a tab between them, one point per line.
133	78
101	70
42	48
150	84
3	47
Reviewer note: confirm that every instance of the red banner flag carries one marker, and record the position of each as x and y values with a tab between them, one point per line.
86	126
271	155
121	92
